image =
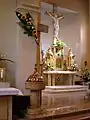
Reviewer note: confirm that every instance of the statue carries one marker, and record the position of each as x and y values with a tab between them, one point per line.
56	19
68	58
49	59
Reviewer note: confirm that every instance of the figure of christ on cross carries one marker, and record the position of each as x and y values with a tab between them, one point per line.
56	19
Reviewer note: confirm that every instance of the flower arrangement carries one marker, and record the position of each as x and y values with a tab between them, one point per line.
49	66
85	73
27	23
59	43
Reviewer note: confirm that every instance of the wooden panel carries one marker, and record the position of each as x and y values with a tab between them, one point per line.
43	28
3	108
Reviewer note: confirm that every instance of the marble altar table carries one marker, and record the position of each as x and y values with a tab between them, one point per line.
51	76
6	102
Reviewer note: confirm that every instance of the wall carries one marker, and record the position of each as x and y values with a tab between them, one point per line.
69	30
17	46
82	7
8	32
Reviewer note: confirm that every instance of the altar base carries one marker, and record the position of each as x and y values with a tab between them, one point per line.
57	96
61	101
64	89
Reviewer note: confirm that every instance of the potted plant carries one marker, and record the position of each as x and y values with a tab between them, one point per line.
85	75
59	44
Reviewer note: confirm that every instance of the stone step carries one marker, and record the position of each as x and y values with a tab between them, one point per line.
77	117
80	115
64	89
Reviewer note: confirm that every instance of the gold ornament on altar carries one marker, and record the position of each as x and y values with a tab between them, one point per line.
35	77
55	58
49	59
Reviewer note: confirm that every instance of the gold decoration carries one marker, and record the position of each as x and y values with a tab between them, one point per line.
35	77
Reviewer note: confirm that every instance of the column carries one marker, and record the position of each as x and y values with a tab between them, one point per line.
49	80
53	79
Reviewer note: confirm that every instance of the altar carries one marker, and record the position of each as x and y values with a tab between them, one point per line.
59	61
6	102
63	77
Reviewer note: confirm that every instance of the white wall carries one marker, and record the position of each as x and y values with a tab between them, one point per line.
8	32
17	46
69	30
26	60
8	28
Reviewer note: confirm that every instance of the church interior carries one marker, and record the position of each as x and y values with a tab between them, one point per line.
44	60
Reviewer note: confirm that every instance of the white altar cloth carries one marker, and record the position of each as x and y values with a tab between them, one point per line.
59	72
64	89
10	91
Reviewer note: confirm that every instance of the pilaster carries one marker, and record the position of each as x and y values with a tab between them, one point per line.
28	51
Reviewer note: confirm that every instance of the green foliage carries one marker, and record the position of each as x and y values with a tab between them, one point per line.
85	74
49	66
60	43
27	23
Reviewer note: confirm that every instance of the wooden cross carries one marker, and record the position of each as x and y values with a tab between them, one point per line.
43	28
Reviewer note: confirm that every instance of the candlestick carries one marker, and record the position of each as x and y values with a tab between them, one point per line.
2	73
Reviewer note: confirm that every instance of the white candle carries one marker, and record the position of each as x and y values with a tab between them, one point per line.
2	73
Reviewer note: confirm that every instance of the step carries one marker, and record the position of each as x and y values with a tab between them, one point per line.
79	115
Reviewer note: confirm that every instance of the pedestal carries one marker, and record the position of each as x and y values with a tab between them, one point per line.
35	99
35	88
35	93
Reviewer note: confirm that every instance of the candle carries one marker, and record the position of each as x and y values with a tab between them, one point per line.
2	73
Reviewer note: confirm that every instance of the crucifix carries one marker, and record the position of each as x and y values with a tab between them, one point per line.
56	18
